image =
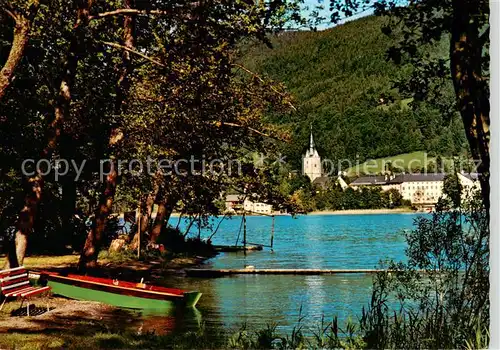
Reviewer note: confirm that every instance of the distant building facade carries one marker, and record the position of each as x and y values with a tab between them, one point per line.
257	207
423	189
419	189
236	204
312	167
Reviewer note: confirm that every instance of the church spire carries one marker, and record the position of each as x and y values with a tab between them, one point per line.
311	142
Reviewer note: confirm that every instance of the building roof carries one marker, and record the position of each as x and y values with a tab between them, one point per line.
471	176
234	198
369	180
311	152
375	180
321	181
418	178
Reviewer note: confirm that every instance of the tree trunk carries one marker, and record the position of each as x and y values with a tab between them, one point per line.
147	209
165	209
193	219
90	252
21	37
32	200
471	88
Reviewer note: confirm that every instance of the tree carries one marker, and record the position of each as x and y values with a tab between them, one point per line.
452	189
35	185
395	197
114	137
122	80
23	20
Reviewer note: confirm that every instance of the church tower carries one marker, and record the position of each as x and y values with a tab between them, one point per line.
311	163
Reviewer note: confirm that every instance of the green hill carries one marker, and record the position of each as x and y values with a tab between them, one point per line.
342	83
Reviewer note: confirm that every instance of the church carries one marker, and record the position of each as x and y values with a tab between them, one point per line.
312	167
311	163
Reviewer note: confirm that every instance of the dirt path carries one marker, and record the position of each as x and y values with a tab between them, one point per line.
79	316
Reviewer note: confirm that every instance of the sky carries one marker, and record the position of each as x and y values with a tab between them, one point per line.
326	13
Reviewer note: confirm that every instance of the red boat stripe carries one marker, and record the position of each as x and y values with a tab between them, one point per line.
36	291
125	284
145	293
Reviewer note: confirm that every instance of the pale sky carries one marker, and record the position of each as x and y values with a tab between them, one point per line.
326	13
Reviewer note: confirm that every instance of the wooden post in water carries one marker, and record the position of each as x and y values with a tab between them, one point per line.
244	233
199	227
139	232
272	234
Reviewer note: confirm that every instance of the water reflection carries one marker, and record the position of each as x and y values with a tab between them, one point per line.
308	242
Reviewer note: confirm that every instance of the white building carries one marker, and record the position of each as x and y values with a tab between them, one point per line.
424	189
257	207
235	204
311	162
420	189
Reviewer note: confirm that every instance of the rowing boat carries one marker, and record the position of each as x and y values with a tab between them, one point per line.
119	293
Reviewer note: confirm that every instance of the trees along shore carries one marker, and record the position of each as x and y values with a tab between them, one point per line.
121	80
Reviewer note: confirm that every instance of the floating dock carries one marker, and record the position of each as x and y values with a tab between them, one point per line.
252	271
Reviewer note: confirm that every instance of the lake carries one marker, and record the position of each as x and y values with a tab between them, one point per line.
312	241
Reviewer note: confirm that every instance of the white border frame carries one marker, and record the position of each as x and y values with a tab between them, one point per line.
495	174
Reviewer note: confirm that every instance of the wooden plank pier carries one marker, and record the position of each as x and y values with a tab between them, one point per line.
253	271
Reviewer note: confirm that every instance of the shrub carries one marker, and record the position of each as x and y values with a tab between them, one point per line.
440	297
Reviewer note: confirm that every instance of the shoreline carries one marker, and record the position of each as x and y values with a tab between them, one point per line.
341	212
110	265
363	211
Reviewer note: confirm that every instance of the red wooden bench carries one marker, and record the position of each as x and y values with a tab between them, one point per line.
14	283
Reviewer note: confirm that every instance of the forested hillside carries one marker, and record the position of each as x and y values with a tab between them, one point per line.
343	84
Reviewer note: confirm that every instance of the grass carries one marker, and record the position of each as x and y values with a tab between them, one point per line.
110	339
244	338
70	260
41	262
66	340
48	261
30	341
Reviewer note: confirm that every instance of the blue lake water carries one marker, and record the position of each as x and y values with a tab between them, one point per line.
312	241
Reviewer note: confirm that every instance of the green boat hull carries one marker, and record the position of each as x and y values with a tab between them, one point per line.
126	301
